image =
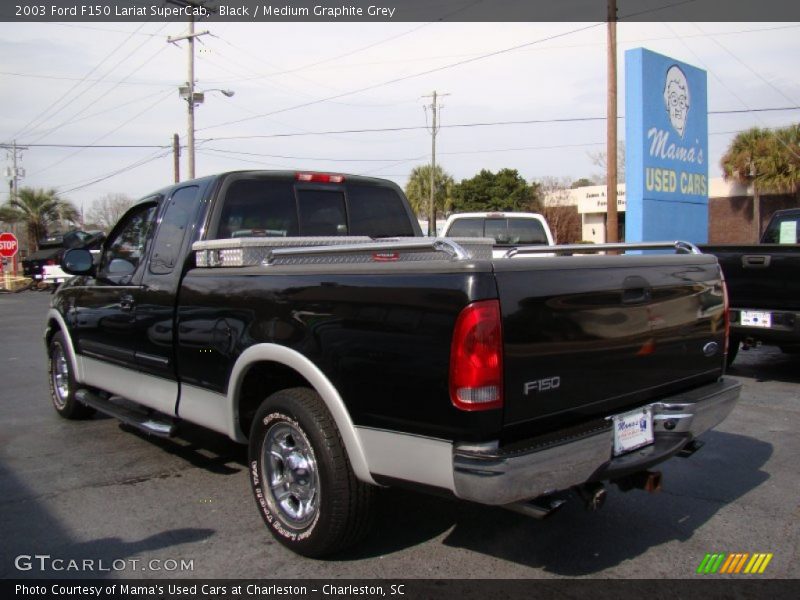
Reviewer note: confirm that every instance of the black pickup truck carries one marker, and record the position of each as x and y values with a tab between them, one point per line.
763	283
304	315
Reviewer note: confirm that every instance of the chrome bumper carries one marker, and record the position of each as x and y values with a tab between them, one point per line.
485	474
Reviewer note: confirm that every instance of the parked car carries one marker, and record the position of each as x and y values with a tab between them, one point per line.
508	229
52	248
764	286
348	351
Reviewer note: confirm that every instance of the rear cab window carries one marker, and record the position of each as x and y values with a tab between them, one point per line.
257	205
506	231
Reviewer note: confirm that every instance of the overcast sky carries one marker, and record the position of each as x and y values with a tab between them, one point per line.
116	83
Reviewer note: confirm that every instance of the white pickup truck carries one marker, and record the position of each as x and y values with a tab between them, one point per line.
508	229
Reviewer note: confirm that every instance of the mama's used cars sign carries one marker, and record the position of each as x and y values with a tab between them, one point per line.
666	137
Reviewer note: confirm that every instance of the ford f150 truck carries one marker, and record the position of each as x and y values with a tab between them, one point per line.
763	283
304	315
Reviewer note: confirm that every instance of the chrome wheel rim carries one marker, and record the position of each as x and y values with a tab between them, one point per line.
290	471
60	374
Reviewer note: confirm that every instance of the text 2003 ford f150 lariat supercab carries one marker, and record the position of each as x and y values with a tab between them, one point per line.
304	314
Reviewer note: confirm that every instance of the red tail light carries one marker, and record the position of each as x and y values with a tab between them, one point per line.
50	262
476	358
319	177
727	316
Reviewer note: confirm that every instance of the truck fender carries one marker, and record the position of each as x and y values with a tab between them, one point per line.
77	366
321	384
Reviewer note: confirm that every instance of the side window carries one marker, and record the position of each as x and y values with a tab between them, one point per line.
322	213
172	230
127	246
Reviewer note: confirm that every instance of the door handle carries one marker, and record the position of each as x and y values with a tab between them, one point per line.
126	302
756	261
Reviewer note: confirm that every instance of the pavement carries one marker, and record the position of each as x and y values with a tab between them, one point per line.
121	504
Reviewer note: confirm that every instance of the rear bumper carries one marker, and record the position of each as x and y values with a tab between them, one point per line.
785	328
487	475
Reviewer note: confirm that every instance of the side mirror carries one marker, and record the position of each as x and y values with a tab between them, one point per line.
78	261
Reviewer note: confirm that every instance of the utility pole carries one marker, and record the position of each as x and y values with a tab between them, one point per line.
612	218
435	108
14	153
176	157
188	92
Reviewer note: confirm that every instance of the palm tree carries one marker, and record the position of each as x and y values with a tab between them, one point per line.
782	164
37	209
747	161
418	190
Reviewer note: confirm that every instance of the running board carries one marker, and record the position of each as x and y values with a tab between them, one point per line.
140	420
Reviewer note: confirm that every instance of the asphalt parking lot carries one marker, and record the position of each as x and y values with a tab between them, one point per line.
91	490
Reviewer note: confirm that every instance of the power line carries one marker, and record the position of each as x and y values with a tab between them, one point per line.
42	116
407	77
106	92
105	135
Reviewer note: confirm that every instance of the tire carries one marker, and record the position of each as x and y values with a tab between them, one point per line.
733	349
301	477
62	381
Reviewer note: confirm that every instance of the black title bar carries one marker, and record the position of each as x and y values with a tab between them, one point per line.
397	10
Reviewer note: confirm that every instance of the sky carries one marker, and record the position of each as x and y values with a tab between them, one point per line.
299	86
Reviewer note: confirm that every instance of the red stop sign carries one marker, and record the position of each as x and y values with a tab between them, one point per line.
8	245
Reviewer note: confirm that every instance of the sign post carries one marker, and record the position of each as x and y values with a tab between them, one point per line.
8	248
666	145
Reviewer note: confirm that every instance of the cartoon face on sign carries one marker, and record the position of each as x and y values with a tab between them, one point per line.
676	98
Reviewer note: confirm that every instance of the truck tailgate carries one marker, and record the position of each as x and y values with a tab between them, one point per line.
585	336
760	276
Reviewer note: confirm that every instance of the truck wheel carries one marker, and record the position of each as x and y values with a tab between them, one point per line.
301	476
62	381
733	349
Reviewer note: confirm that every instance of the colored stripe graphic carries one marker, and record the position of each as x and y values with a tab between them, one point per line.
734	563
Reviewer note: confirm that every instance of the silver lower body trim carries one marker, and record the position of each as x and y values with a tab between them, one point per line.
487	476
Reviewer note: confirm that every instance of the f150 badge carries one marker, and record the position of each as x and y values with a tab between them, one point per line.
547	384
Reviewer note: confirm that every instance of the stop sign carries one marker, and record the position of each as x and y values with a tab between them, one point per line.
8	244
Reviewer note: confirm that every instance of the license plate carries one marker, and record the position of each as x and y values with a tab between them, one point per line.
633	430
756	318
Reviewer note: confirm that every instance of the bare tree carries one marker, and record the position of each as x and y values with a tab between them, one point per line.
106	211
600	159
561	215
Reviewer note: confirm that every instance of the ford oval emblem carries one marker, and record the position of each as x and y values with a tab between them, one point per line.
710	349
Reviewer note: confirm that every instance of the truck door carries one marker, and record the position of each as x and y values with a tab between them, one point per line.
106	332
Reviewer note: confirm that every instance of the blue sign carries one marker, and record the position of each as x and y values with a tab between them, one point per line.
666	149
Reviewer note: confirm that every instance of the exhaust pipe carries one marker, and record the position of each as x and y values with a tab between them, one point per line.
538	508
649	481
593	495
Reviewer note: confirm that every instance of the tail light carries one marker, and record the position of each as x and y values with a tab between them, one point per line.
50	262
476	358
319	177
727	315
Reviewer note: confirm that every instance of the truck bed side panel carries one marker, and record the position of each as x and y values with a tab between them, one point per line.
382	337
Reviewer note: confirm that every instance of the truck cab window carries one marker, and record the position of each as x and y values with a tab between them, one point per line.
322	212
258	208
377	212
172	230
125	250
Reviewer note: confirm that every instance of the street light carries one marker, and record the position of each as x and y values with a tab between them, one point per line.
193	98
